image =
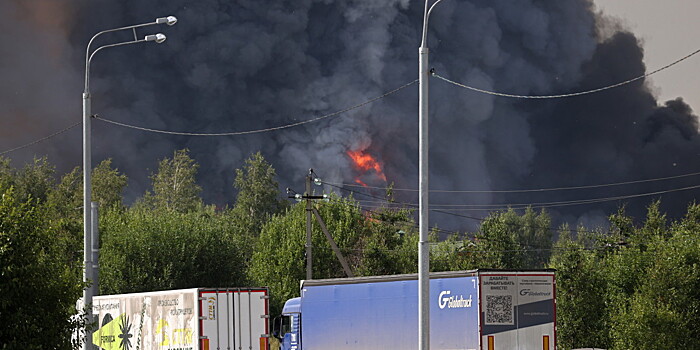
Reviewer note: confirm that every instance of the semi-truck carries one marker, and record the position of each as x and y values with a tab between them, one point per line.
183	319
478	309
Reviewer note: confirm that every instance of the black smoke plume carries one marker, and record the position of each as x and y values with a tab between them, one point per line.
244	65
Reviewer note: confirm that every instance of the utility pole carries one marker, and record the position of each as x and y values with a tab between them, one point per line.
310	210
309	258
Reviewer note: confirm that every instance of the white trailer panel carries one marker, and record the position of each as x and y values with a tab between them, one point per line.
518	310
185	319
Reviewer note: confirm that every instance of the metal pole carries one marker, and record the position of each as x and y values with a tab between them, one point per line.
423	188
423	244
87	212
309	259
87	158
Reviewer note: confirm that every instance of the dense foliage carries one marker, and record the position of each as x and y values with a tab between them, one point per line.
636	287
632	285
40	276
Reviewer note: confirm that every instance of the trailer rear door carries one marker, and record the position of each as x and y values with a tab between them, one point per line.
234	319
517	310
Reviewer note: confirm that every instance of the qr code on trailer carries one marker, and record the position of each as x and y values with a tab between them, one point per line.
499	309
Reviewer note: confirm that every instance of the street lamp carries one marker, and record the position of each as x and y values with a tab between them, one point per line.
87	163
423	188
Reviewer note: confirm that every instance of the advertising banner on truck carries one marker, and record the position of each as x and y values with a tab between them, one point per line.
185	319
163	320
518	310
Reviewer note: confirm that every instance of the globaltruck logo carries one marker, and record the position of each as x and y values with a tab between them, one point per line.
531	293
453	302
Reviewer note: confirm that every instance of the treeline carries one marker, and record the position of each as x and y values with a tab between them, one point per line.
628	286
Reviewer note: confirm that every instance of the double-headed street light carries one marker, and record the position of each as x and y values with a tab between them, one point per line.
88	274
423	188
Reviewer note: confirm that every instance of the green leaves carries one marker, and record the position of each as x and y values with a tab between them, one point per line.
382	242
174	185
144	250
107	185
38	289
636	288
258	195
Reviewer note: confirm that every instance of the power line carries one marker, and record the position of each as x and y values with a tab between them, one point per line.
408	222
368	102
467	216
524	250
566	203
534	205
552	189
41	139
501	94
414	225
258	131
527	248
520	206
531	247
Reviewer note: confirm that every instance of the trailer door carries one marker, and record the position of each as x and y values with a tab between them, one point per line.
517	310
234	319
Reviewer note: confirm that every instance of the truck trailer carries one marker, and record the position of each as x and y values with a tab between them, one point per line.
184	319
479	309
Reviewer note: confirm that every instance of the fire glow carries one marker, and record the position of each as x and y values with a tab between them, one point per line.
366	162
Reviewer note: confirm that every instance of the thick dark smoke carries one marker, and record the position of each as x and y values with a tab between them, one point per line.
243	65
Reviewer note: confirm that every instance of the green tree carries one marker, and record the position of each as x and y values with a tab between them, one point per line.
107	185
388	244
174	185
35	180
258	195
627	267
373	243
510	241
451	254
498	242
145	250
279	259
65	200
662	305
6	173
581	291
38	284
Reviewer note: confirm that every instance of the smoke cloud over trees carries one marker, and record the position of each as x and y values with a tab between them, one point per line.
245	65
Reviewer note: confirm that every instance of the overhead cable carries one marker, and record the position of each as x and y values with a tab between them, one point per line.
537	205
41	139
465	216
502	94
551	189
258	131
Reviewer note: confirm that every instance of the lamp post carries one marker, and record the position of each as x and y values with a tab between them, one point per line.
423	188
87	162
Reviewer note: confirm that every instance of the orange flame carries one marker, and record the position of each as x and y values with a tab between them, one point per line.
366	162
360	182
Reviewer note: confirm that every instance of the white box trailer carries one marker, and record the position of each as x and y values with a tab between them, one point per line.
184	319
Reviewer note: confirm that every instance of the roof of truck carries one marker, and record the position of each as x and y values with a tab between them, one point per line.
413	276
292	306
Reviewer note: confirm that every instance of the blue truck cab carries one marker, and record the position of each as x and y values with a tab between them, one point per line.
287	326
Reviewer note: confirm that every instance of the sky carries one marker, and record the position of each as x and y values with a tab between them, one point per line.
233	66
